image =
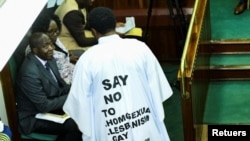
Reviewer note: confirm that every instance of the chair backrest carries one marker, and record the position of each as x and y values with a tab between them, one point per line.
39	136
14	65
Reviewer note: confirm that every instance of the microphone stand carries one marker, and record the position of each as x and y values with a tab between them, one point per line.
148	20
180	23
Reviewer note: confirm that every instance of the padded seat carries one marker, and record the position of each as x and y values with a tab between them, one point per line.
32	136
39	136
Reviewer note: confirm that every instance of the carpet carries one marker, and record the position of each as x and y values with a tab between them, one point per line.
227	100
227	103
224	24
172	107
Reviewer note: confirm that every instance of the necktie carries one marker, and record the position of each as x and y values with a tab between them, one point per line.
47	67
49	71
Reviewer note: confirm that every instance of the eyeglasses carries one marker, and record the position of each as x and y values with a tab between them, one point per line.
52	32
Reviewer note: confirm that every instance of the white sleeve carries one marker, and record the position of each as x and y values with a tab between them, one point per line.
158	83
79	102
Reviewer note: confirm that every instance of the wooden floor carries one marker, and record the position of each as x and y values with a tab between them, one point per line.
204	136
202	133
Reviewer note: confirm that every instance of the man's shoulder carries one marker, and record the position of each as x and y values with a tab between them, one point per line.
29	58
66	7
29	62
73	14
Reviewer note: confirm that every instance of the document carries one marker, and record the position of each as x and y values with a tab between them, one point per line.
129	24
53	3
52	117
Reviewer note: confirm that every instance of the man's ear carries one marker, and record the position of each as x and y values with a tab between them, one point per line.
94	32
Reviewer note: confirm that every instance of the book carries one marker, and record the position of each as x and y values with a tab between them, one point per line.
52	117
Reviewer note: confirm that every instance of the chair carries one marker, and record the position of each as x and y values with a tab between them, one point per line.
39	136
32	136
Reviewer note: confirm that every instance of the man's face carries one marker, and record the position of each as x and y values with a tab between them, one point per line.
45	49
84	3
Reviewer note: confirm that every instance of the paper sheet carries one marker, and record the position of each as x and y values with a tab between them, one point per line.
52	3
52	117
130	23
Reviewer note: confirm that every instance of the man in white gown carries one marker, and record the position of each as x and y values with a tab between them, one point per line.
118	87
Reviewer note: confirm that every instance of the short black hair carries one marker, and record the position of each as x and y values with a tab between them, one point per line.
102	19
35	39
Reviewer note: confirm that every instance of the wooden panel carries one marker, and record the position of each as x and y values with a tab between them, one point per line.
225	47
188	124
9	98
162	37
130	4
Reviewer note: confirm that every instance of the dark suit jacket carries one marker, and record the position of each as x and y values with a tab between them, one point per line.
37	92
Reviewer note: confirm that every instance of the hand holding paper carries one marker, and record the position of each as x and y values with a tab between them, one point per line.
52	117
130	23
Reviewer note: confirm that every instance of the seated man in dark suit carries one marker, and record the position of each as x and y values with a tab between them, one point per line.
40	91
241	7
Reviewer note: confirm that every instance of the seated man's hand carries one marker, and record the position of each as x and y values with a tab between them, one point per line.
120	24
73	58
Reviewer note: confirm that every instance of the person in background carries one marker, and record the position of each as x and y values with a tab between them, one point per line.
75	34
119	85
51	25
5	132
241	7
40	89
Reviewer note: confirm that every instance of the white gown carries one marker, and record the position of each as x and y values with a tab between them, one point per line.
117	92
